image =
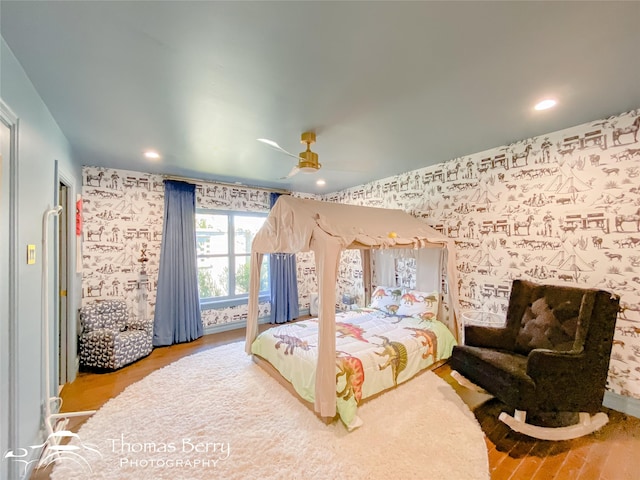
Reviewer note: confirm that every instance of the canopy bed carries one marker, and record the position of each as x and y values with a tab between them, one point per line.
300	225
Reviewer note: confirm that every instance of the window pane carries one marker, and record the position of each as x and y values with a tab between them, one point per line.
213	277
242	274
264	275
245	229
224	255
212	234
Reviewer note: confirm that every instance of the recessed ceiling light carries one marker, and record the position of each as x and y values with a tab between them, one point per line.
320	182
545	104
151	154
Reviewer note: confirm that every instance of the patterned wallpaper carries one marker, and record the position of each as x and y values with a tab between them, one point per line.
122	214
562	208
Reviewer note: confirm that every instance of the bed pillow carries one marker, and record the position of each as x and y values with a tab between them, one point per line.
422	304
386	299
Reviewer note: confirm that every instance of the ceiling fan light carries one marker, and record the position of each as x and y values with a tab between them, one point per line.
308	162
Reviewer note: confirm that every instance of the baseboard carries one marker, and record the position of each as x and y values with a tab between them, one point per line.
628	405
34	454
225	327
25	470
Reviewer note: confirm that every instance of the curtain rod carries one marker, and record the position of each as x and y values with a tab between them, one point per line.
227	184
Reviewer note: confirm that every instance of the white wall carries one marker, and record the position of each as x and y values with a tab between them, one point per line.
40	144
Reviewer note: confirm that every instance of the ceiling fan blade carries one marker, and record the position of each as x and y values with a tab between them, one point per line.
273	144
293	172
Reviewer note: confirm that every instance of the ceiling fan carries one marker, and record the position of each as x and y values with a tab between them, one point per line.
307	160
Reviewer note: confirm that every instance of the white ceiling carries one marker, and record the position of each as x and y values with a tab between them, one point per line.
387	86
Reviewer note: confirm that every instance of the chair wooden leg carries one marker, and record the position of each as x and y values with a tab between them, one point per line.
587	424
520	415
466	383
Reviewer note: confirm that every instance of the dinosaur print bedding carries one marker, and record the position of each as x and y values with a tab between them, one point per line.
375	351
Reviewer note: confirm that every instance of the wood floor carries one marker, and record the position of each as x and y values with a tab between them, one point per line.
613	453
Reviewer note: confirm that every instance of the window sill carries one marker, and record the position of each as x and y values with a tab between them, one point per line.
229	302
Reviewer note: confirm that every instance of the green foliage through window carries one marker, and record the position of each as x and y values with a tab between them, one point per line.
224	245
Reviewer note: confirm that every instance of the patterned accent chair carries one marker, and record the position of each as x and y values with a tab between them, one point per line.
550	360
108	339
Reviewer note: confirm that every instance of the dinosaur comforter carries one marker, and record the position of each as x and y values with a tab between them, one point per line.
374	352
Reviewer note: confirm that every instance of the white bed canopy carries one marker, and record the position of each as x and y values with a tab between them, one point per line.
300	225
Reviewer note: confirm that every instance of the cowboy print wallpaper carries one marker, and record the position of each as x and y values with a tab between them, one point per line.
123	214
561	208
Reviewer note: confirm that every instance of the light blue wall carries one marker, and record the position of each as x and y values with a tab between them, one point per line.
40	144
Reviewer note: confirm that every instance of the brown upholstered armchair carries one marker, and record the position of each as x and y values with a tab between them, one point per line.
550	359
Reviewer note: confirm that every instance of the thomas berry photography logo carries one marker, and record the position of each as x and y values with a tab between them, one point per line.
184	453
53	452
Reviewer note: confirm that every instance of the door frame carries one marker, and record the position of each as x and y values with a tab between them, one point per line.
68	324
62	276
11	121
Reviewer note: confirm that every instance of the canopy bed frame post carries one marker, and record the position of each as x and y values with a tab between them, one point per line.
254	288
455	320
327	251
365	260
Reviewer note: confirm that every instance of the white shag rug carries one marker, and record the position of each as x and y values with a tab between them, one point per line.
216	414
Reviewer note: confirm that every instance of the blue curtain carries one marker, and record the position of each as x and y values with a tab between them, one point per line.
177	315
284	283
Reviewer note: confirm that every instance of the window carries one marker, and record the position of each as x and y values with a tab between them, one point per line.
224	248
